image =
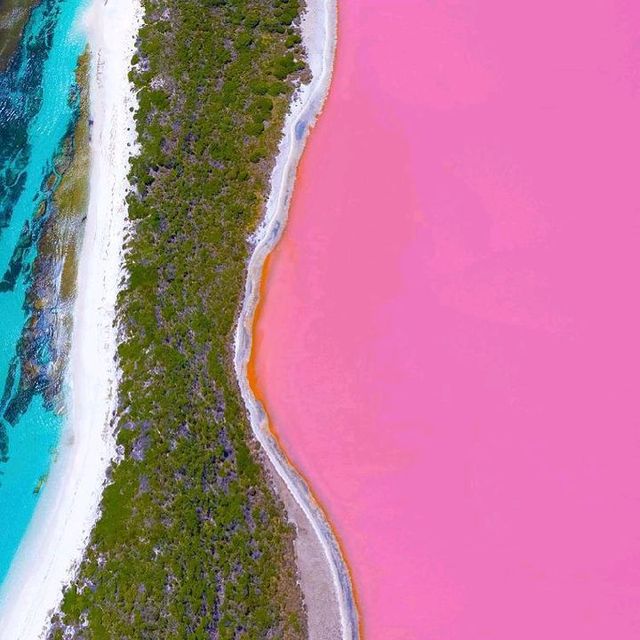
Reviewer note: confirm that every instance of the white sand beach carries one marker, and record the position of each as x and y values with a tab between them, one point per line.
324	578
68	507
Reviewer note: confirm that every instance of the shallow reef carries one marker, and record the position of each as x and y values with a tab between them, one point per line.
14	15
45	255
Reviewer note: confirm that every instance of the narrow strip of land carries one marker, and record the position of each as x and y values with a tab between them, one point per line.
192	539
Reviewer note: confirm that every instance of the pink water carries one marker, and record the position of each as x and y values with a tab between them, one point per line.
449	347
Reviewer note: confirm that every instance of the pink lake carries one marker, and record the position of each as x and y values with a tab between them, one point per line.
449	344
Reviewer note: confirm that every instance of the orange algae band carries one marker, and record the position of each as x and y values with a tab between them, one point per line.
255	388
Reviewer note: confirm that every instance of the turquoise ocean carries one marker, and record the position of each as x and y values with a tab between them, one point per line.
37	111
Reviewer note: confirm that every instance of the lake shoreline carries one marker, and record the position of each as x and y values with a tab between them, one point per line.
330	603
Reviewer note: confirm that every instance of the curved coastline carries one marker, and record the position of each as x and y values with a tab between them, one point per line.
58	533
319	34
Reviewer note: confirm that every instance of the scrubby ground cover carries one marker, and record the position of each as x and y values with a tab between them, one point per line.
192	541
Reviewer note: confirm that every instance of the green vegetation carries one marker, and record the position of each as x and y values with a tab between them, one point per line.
57	231
192	541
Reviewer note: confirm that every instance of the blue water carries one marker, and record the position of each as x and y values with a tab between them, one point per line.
36	113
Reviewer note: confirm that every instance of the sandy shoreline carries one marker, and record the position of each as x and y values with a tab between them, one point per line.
69	504
319	33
